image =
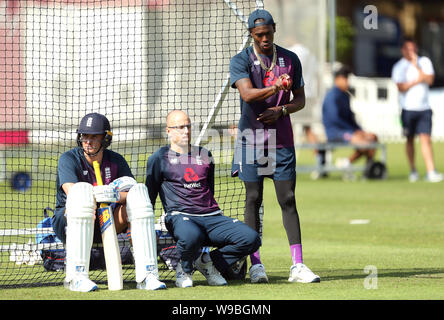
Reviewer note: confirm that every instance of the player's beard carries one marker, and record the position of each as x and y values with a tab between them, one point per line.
91	150
267	48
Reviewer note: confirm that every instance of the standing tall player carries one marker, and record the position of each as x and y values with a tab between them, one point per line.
266	75
78	196
183	176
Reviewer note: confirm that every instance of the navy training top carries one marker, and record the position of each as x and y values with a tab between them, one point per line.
337	116
246	65
73	167
184	182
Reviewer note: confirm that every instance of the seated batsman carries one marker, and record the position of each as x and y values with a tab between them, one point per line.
78	197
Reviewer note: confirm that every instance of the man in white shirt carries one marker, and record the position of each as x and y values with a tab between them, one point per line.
413	75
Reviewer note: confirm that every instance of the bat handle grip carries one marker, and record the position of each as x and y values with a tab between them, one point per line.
96	166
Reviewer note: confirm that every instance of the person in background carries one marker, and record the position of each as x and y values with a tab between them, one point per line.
414	75
339	120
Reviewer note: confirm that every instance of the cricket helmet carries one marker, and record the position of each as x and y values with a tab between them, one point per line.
95	123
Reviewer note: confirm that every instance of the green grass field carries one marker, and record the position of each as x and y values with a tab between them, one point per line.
403	244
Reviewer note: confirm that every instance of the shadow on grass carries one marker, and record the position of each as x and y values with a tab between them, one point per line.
282	277
350	274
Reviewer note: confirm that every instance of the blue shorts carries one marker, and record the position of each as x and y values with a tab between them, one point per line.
253	165
341	136
416	122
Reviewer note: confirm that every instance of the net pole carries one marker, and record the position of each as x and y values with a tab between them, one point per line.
225	87
219	99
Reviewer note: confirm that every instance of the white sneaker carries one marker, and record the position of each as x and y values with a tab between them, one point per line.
151	283
257	274
183	279
80	283
413	176
301	273
434	176
210	272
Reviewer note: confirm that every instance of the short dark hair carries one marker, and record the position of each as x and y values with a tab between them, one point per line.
343	71
407	39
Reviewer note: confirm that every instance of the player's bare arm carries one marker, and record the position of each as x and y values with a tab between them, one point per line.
427	78
422	77
68	185
298	101
405	86
272	114
250	94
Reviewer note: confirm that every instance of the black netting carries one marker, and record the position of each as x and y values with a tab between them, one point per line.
133	61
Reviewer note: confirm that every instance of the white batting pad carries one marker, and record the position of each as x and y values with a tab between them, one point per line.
141	216
80	209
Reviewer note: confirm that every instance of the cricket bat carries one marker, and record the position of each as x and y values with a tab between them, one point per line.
111	248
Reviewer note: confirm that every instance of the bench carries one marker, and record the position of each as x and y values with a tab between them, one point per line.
377	170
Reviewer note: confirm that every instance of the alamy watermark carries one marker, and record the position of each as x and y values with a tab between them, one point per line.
371	281
248	146
371	19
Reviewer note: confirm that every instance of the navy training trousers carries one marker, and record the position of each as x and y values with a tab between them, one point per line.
232	238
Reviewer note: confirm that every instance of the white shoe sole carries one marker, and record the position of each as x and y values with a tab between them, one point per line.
159	286
189	285
70	286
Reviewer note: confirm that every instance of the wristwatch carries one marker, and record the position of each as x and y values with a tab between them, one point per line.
284	111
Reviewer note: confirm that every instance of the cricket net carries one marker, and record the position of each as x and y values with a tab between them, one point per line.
132	60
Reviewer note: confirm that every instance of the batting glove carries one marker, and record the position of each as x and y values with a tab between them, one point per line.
123	184
106	194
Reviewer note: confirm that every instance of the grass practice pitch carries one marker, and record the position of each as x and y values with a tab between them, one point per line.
367	240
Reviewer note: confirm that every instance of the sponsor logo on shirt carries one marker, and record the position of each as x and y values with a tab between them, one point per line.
269	79
191	176
191	185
